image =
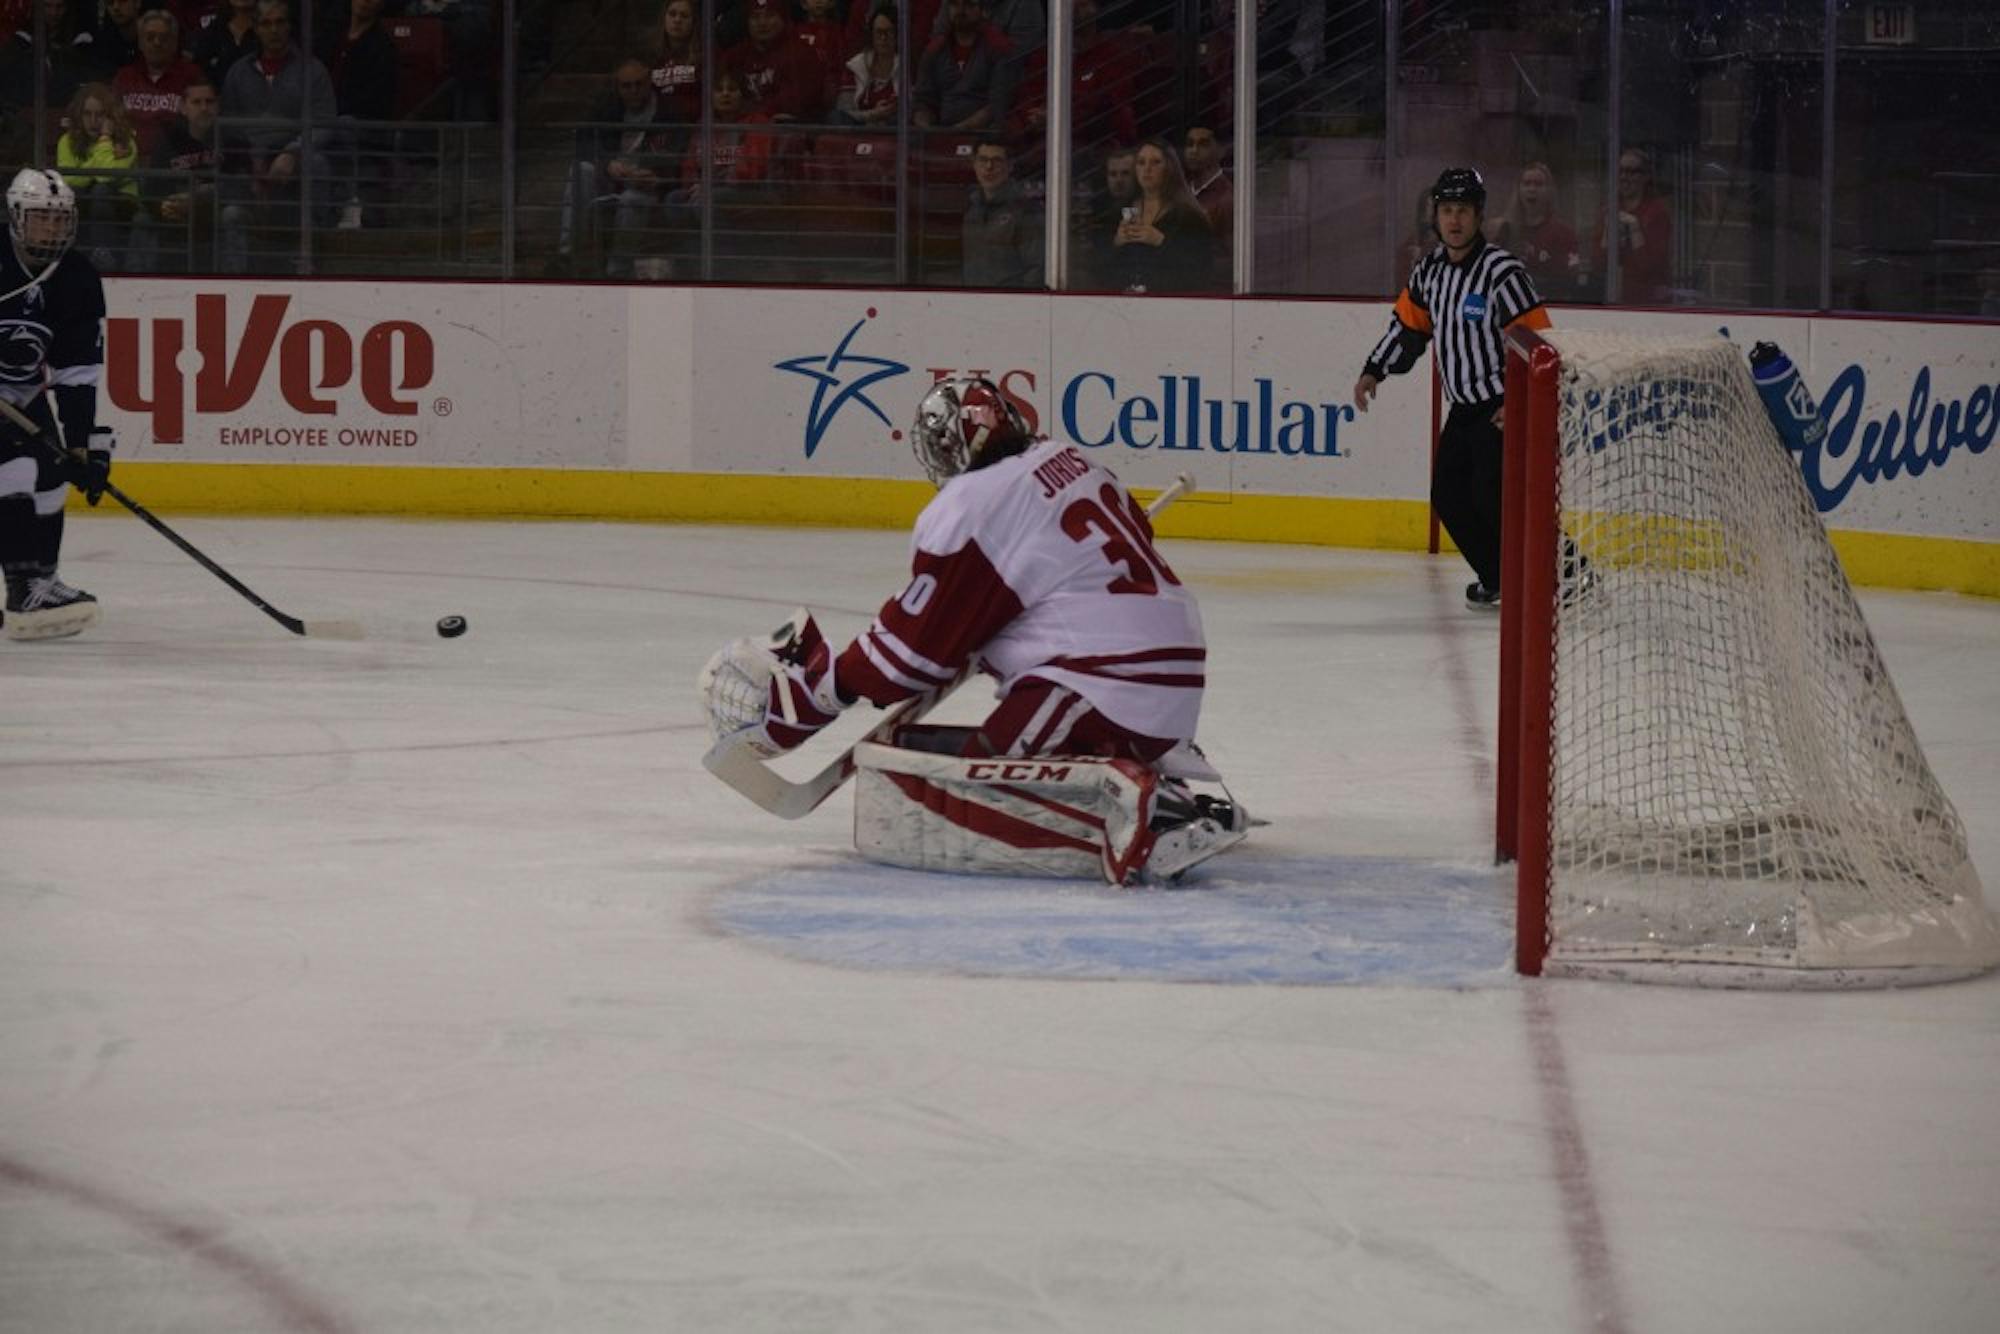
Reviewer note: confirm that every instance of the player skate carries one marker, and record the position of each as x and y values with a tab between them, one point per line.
47	608
1035	566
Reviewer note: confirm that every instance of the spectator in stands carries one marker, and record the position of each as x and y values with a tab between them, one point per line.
361	59
677	71
1202	154
871	83
824	31
176	225
730	163
114	42
1100	86
1002	230
1645	235
967	78
96	155
1024	23
65	64
624	166
1163	243
921	14
781	75
739	155
228	38
470	41
1539	238
280	87
1103	209
152	86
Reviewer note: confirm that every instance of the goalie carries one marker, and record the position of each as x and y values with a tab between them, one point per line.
1037	566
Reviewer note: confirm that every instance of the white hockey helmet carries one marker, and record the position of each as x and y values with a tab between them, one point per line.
41	215
962	423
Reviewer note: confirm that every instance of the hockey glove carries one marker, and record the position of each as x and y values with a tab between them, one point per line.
802	699
89	470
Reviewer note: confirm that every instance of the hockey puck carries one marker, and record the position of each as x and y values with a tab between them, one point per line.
451	627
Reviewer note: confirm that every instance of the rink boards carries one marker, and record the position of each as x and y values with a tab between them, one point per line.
790	407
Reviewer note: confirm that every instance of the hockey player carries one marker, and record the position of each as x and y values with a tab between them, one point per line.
1040	564
52	323
1036	565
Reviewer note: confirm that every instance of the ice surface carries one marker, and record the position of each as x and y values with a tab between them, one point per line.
425	985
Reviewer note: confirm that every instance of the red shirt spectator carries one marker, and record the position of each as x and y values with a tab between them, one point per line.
677	72
152	86
1645	236
826	33
736	154
781	75
1537	235
1100	85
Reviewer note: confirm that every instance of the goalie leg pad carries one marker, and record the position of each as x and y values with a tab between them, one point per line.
1057	815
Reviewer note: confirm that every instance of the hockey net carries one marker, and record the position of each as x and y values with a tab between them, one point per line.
1707	775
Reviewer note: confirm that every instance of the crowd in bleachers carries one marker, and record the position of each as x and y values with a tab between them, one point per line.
194	129
828	122
211	134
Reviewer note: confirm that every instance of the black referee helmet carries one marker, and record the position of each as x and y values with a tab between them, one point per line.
1459	185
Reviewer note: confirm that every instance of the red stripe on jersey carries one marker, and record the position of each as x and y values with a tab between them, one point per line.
952	605
984	820
1091	662
901	661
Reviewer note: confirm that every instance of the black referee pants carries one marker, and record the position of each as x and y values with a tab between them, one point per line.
1465	486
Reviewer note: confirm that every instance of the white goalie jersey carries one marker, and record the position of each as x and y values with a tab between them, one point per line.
1041	563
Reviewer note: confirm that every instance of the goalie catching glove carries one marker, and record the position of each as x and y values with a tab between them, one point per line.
772	694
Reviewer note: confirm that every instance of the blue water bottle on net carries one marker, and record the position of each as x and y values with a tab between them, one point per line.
1787	401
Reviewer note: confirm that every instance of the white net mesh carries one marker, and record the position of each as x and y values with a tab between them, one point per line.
1734	781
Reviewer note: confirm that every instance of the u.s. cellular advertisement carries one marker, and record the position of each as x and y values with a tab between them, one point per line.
1251	397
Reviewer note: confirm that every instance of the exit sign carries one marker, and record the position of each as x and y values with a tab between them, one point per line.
1890	25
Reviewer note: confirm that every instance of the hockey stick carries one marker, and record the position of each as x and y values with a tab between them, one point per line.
311	629
743	769
35	281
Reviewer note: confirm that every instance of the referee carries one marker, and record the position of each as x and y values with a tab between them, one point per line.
1463	294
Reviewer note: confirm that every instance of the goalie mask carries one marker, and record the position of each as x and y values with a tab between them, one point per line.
965	423
41	216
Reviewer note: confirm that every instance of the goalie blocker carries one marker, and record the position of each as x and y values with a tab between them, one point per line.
920	804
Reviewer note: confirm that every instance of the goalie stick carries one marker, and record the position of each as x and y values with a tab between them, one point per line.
312	629
736	764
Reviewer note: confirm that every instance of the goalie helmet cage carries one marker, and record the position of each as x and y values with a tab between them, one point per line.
1705	773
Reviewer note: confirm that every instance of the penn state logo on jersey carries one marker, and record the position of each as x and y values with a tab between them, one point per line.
1474	307
24	352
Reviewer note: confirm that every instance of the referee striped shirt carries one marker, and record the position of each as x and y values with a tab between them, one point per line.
1464	304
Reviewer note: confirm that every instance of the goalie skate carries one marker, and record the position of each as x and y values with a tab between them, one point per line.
48	608
1186	841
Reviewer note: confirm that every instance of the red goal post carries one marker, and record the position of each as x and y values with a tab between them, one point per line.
1705	774
1527	594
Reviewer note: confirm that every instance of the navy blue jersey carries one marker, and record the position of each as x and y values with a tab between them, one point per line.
52	339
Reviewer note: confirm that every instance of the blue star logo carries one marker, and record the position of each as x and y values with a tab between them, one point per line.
847	376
